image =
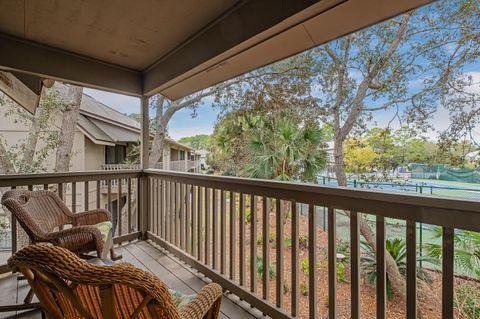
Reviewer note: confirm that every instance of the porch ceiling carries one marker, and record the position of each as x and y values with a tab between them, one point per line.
172	47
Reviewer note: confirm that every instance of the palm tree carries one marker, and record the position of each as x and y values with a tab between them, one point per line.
467	250
284	150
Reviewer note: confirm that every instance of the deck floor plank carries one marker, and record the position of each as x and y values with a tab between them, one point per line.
143	255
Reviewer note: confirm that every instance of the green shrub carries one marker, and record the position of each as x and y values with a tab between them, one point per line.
398	250
287	242
272	271
304	289
285	287
341	271
260	239
303	241
467	301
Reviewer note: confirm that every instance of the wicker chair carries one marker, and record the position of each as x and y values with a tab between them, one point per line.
69	287
41	212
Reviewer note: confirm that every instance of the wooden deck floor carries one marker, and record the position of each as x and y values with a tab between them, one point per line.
148	257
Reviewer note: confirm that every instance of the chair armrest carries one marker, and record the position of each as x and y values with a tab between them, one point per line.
71	238
91	217
207	301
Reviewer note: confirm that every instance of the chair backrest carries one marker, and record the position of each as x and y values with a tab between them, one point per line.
69	287
39	212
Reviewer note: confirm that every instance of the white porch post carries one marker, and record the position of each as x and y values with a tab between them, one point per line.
145	142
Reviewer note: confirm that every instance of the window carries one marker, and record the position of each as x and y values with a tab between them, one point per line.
182	155
115	154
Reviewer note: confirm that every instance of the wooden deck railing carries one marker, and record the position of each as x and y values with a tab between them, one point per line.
223	226
233	230
81	191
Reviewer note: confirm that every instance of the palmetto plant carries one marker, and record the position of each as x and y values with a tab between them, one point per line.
467	251
285	150
398	250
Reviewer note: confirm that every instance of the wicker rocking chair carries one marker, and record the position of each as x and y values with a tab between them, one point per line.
69	287
41	212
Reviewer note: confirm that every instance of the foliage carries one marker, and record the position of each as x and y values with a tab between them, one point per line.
285	287
467	250
384	150
304	289
283	150
467	301
303	241
197	142
341	271
398	250
272	271
287	242
42	130
305	265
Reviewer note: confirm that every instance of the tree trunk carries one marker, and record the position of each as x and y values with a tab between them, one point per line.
32	141
397	280
160	133
69	124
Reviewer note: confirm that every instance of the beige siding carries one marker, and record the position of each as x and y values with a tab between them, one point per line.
94	155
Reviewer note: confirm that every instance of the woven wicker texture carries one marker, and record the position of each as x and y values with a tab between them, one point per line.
69	287
40	213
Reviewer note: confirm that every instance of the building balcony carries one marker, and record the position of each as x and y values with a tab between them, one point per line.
210	228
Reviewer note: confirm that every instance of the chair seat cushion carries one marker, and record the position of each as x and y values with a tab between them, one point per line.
104	228
180	300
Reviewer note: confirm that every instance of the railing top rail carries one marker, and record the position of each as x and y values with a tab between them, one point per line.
51	178
452	212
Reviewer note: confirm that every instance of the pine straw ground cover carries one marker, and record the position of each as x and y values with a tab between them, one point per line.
429	296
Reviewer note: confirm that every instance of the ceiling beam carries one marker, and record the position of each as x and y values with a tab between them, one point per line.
23	56
239	25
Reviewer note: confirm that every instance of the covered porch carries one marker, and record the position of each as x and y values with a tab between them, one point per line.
216	226
190	228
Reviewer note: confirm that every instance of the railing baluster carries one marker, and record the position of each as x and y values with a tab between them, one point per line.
129	205
168	211
60	190
45	187
138	196
265	249
232	235
312	261
295	257
241	238
279	253
119	208
447	273
85	195
223	233
207	226
355	265
109	195
14	232
188	219
74	197
411	269
97	199
172	212
182	217
332	263
253	243
200	198
381	268
151	182
178	211
215	229
194	221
